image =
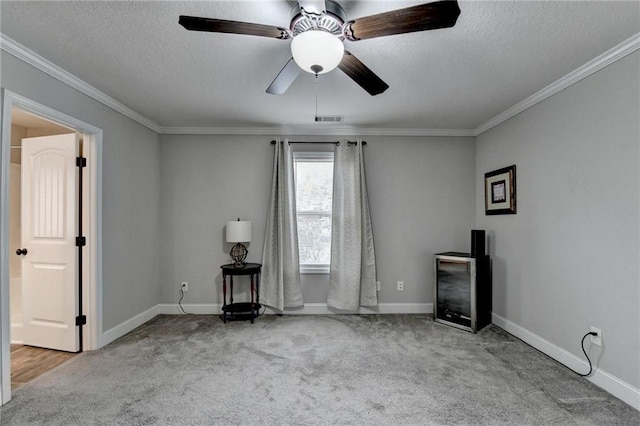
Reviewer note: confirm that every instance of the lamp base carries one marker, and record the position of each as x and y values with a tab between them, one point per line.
238	254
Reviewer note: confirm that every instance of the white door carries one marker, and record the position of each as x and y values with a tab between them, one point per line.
49	229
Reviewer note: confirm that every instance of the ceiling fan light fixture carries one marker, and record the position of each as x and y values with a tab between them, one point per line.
317	51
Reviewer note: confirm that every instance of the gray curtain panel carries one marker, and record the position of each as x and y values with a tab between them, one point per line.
353	259
280	280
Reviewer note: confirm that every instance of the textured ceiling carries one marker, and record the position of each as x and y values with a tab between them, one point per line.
498	54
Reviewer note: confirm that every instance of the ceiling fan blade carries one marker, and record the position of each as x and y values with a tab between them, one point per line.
284	79
316	7
194	23
362	75
430	16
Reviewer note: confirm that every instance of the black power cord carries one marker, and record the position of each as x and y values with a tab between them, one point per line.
591	333
180	302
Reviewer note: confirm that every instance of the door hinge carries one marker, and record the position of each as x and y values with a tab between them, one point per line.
81	162
81	320
81	241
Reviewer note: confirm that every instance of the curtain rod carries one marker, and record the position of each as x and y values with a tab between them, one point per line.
337	143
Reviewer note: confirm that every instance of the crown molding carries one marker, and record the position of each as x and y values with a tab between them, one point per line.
21	52
320	129
610	56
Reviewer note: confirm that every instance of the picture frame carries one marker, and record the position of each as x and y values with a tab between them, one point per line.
500	191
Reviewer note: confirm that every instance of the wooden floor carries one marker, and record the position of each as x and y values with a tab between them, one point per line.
28	362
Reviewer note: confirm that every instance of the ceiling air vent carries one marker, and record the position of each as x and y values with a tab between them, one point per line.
329	118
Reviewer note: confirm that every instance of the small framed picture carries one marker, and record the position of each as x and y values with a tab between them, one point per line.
500	191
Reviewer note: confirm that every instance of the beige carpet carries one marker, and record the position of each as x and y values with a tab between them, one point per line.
305	370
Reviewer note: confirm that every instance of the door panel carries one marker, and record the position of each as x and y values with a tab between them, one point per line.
49	223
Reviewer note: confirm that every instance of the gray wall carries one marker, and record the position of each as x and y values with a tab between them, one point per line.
569	259
130	197
421	195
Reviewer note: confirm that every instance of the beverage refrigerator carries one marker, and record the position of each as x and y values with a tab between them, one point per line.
462	290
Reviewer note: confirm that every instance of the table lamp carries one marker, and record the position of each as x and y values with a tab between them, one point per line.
239	231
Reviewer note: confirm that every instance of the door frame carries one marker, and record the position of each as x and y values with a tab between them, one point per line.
92	221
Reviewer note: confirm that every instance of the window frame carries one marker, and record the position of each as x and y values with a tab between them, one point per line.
310	157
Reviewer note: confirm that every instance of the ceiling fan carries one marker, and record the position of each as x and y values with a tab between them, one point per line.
317	32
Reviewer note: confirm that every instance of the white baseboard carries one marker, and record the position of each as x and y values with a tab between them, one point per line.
192	308
127	326
308	309
608	382
383	308
16	334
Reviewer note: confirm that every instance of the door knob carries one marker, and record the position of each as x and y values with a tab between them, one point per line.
21	251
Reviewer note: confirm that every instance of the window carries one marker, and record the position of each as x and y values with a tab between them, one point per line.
314	190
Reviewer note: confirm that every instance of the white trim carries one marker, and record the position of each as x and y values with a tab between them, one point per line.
610	56
30	57
383	308
93	253
308	309
128	326
314	130
607	381
93	228
16	334
193	308
5	318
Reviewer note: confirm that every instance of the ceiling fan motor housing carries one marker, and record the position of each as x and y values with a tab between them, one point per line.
331	21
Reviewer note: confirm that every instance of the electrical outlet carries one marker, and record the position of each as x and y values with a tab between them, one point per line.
597	339
184	286
378	285
400	285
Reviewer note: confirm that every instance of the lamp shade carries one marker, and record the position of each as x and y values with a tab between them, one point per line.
238	231
316	51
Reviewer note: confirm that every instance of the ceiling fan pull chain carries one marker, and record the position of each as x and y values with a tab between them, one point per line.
316	116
